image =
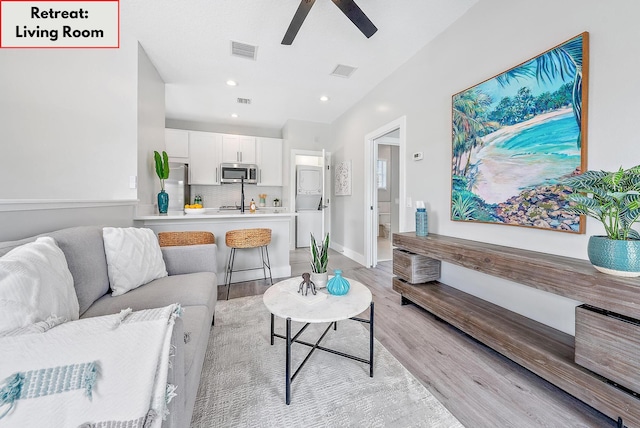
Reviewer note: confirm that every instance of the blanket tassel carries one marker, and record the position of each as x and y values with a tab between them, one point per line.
10	391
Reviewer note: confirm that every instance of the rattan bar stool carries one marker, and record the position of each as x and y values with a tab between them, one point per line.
248	238
172	239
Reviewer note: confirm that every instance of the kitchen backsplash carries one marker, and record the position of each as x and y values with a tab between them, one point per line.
229	194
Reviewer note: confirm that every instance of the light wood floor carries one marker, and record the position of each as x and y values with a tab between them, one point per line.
479	386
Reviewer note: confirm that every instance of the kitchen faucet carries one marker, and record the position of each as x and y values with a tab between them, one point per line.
242	195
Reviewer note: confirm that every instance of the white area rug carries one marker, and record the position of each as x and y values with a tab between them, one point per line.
243	378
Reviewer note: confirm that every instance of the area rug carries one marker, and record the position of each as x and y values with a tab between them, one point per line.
243	378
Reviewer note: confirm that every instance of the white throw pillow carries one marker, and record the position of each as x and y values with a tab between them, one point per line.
133	258
35	284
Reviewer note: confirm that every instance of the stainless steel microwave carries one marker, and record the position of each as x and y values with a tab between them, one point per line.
235	172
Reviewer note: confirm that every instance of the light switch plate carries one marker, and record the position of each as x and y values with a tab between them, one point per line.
133	181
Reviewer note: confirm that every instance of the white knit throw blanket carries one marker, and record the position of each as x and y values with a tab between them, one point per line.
101	372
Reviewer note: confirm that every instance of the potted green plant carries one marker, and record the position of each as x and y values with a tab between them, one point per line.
319	261
162	170
613	198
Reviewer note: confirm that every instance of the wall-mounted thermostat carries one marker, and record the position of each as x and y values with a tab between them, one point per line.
418	156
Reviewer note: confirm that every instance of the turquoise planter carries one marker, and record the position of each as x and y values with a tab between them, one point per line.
338	286
163	202
615	257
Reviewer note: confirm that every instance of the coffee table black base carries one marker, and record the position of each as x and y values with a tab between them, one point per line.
290	340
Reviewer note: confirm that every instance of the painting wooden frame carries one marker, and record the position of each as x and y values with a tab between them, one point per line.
517	135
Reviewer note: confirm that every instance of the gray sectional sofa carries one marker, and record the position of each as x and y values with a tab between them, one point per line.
192	282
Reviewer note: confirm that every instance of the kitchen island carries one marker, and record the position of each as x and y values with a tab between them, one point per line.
219	223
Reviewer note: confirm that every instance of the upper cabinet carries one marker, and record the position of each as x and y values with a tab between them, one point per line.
177	144
238	149
205	150
269	154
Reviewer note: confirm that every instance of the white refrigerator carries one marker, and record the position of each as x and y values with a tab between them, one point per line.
308	204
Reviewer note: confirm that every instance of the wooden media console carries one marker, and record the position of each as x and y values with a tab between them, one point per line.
607	342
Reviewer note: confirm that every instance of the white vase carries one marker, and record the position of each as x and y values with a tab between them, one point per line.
320	279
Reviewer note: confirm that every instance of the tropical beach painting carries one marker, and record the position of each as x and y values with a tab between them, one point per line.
517	136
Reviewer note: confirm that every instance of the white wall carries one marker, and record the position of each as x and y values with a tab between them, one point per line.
490	38
68	123
151	117
223	128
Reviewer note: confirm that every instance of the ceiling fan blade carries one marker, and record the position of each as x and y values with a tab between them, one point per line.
357	16
296	22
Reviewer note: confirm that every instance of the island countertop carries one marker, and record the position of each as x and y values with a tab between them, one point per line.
215	214
219	222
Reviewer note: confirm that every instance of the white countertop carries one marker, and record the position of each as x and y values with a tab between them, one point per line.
214	213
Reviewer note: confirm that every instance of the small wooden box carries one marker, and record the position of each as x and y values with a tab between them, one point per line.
609	344
415	268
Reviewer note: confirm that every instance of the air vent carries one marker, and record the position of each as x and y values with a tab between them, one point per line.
243	50
244	100
342	70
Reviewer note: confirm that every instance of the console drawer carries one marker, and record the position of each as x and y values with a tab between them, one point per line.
608	344
415	268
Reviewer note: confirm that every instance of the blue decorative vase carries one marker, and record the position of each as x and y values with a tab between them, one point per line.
615	257
338	286
163	202
422	225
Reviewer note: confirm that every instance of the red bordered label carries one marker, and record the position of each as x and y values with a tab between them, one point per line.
60	24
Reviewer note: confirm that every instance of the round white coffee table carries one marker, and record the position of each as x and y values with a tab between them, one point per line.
284	301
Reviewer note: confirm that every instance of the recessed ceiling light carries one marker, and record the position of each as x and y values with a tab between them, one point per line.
324	98
234	115
232	82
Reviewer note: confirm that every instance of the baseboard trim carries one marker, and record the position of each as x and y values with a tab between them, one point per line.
347	252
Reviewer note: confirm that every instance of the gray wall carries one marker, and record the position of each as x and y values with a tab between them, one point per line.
493	36
76	125
151	116
68	122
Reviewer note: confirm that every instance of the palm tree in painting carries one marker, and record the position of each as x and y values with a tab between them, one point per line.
470	124
564	62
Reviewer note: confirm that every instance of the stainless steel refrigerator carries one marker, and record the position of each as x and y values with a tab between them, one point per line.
177	186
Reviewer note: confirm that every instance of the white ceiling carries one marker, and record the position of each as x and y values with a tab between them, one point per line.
189	42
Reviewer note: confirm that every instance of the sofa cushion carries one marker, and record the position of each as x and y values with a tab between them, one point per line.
84	251
35	284
133	257
189	289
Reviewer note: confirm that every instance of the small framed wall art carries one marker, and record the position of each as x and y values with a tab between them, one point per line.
343	179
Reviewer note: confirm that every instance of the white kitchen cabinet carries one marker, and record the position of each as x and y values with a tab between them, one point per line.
269	160
205	150
238	149
177	144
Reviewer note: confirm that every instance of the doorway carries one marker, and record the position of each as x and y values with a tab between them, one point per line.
385	189
388	198
317	220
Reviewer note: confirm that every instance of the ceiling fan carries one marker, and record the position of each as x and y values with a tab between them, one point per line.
348	7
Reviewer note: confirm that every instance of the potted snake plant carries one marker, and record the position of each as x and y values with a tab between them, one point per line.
319	261
613	198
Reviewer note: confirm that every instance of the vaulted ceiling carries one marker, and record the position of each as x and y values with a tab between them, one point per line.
189	42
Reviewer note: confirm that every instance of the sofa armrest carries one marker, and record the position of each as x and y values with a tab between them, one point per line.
190	259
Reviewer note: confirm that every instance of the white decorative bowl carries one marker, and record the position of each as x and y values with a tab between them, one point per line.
194	210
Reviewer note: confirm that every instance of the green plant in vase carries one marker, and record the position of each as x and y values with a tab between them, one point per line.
162	171
319	261
613	198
